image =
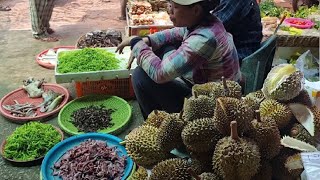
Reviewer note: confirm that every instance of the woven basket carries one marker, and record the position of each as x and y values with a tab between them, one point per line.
297	41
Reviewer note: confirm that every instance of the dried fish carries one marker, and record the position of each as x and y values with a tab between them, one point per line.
21	110
55	103
33	87
98	38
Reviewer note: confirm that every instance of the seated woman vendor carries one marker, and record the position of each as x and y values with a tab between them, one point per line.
197	50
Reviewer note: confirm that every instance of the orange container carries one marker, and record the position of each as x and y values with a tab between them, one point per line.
117	87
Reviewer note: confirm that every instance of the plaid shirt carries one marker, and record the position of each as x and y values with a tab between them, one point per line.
242	19
205	54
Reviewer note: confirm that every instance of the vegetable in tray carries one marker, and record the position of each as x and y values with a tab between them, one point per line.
31	141
86	60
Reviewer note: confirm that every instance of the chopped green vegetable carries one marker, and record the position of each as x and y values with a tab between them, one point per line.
86	60
268	8
31	141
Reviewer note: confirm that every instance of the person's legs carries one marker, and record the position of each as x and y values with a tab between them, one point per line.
46	15
36	7
123	4
168	97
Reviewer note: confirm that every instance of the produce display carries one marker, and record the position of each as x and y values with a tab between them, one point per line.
86	60
109	38
91	159
92	118
31	141
227	136
139	7
34	89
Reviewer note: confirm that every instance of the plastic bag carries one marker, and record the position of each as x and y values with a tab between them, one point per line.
309	66
311	164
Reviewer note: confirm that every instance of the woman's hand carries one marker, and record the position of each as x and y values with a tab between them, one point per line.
124	43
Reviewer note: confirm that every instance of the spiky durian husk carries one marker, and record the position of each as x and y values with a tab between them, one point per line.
258	95
232	89
316	120
265	171
171	169
300	133
251	102
170	133
267	136
205	89
209	176
288	89
156	117
197	107
200	135
302	98
297	144
140	174
232	109
142	146
279	112
279	171
236	159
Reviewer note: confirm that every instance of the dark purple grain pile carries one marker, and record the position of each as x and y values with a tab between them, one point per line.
91	160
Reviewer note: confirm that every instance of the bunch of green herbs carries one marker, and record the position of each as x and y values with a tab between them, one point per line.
86	60
31	141
304	11
268	8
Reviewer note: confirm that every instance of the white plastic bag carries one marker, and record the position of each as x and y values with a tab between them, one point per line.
311	163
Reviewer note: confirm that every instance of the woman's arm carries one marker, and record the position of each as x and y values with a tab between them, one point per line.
192	54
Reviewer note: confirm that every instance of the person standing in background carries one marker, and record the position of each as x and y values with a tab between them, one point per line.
40	12
123	5
242	19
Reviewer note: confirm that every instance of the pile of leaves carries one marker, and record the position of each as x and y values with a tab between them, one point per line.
86	60
268	8
91	160
92	118
31	141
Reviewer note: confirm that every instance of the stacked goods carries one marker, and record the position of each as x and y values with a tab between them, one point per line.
109	38
142	19
139	7
158	5
226	136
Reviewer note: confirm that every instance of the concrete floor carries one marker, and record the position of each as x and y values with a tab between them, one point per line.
17	58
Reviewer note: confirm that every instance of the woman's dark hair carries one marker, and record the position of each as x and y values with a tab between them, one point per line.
209	5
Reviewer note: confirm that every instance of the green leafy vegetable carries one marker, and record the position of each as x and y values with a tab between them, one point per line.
268	8
31	141
304	11
86	60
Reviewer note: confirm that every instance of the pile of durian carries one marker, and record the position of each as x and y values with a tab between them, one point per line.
228	136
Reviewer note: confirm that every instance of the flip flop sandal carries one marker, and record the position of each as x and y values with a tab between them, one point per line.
5	8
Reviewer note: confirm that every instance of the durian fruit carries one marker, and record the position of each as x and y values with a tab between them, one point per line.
293	143
281	113
142	146
140	174
206	176
235	157
197	107
209	176
265	171
258	95
200	135
294	165
304	116
231	109
170	132
254	99
300	133
267	136
156	117
204	89
171	169
227	88
283	83
279	171
302	98
316	119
